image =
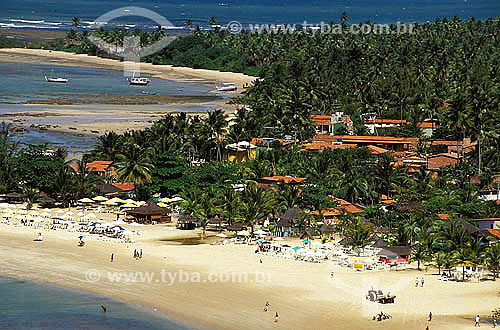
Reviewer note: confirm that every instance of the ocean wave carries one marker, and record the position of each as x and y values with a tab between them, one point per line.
20	26
26	21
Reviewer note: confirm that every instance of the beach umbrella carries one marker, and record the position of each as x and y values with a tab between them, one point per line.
91	216
86	200
243	233
127	233
165	200
33	212
317	244
306	241
296	248
130	205
117	228
221	235
46	210
22	211
135	224
80	214
110	203
100	199
260	232
175	199
278	239
162	205
60	211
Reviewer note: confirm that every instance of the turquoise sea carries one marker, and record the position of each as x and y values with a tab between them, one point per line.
57	14
27	305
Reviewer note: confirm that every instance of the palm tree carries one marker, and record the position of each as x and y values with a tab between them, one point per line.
75	22
212	21
359	233
492	258
108	146
29	196
439	260
134	164
256	205
419	253
208	207
462	256
189	23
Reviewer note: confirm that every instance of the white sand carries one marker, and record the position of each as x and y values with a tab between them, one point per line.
302	293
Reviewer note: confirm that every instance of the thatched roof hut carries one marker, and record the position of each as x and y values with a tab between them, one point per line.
150	212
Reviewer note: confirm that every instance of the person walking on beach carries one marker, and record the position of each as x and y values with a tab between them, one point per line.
140	256
494	323
135	254
476	323
276	317
104	309
430	316
112	257
422	281
416	281
267	306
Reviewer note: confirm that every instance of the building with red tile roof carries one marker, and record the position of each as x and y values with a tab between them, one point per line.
387	142
437	161
277	178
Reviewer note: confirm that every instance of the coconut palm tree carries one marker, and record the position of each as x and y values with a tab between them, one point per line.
256	205
492	258
30	196
75	23
440	260
134	164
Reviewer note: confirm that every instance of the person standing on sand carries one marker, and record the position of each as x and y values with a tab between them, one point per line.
416	282
112	257
276	317
427	328
476	323
140	256
430	316
422	281
494	323
135	254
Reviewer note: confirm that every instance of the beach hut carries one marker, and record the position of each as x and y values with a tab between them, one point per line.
285	221
149	213
346	241
394	254
237	226
379	244
187	222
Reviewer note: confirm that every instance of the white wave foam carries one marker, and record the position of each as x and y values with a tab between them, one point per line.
26	21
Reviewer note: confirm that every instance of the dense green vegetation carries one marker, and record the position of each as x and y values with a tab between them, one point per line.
412	77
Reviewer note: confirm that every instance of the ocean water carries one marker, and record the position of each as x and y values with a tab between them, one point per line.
57	14
27	305
25	81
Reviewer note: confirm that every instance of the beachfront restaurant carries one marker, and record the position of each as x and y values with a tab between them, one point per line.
150	213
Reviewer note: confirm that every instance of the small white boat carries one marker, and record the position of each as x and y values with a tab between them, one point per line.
56	80
226	87
138	81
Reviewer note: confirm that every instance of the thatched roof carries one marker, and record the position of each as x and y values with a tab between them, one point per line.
469	227
346	241
380	243
150	208
395	251
47	199
327	229
237	226
13	195
187	219
289	215
105	189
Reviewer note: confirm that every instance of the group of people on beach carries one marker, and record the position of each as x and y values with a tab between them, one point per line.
417	281
381	316
267	307
137	254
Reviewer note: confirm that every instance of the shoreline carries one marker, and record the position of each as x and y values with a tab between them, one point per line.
169	72
302	293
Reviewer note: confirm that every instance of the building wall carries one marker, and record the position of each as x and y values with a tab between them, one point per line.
488	224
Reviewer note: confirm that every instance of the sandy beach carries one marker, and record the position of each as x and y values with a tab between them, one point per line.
158	71
302	293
